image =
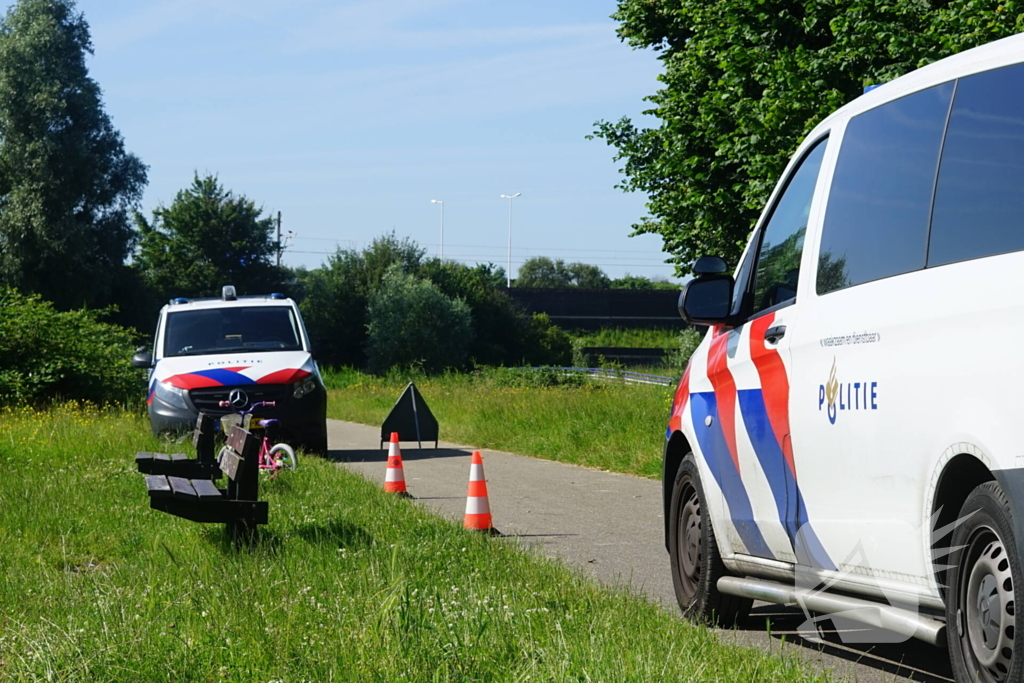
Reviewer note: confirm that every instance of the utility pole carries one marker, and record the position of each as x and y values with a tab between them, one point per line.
279	249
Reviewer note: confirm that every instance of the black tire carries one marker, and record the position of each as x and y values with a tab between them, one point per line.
696	564
981	617
317	445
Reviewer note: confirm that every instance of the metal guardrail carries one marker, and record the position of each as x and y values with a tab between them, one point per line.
622	375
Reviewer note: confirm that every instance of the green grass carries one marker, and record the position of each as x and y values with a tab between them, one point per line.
345	584
657	338
607	425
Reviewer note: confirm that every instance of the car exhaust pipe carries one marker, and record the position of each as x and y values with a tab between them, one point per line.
878	615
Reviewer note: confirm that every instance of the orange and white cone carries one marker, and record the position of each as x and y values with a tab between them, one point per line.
394	480
478	508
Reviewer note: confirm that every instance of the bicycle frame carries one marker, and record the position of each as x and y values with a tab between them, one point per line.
265	461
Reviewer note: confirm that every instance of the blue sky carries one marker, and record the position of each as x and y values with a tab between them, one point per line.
349	117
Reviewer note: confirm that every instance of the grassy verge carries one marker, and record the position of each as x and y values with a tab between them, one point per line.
345	584
611	426
657	338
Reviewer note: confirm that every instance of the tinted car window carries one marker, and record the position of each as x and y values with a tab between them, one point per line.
778	260
876	223
232	330
979	199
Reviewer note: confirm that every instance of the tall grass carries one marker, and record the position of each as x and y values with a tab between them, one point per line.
345	584
610	426
655	338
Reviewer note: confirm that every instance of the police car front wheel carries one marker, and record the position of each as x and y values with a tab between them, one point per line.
696	563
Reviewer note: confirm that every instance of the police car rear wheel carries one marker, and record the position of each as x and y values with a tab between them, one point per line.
696	564
982	620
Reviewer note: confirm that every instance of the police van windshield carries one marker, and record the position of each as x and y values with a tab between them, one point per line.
232	330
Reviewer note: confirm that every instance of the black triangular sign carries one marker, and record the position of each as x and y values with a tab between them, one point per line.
411	418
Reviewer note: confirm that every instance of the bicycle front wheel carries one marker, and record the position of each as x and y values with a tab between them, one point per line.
283	456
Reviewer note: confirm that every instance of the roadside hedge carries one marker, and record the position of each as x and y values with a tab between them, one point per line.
46	354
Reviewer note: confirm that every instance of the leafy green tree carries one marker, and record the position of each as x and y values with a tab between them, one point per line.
207	238
541	271
412	323
336	295
628	281
67	185
47	354
503	333
745	80
587	276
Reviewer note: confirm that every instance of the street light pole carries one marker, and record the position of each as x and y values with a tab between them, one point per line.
508	266
438	201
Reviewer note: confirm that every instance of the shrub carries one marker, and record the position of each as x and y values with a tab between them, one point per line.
689	340
410	322
336	296
546	343
46	354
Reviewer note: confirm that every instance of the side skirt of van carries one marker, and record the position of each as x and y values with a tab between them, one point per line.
874	614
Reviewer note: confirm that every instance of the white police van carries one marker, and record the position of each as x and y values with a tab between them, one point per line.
849	436
240	350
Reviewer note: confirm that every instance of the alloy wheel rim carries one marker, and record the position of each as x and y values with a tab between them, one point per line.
988	605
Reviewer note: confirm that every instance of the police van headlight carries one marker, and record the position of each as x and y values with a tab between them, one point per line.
304	387
171	395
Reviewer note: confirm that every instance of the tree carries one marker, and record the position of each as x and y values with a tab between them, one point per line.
336	295
410	322
628	281
587	276
206	239
67	185
541	271
745	80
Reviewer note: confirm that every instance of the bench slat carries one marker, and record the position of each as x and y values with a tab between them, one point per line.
164	457
181	487
158	486
175	457
230	463
140	457
206	489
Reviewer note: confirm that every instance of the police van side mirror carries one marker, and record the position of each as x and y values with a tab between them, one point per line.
707	300
142	358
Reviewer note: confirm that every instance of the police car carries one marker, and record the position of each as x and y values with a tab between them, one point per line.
849	437
239	350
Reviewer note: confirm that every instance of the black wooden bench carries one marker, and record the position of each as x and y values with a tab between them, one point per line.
203	466
200	500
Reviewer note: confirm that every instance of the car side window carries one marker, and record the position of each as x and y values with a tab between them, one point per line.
782	241
876	221
979	205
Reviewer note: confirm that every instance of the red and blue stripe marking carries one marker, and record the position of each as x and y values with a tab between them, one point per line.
765	414
226	377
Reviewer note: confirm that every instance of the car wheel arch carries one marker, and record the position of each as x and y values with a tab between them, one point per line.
677	447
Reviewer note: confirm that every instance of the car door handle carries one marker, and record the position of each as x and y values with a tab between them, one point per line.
774	334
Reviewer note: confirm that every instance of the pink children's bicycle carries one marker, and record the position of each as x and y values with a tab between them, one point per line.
274	458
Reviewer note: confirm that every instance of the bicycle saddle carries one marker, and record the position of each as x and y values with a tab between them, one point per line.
268	423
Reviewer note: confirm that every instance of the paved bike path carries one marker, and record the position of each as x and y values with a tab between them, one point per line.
609	525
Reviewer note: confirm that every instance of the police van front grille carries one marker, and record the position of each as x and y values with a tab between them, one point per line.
208	399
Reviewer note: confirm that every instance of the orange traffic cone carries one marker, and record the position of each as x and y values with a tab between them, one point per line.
478	508
394	480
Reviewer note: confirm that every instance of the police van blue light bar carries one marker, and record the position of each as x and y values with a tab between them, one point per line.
869	88
277	295
179	300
